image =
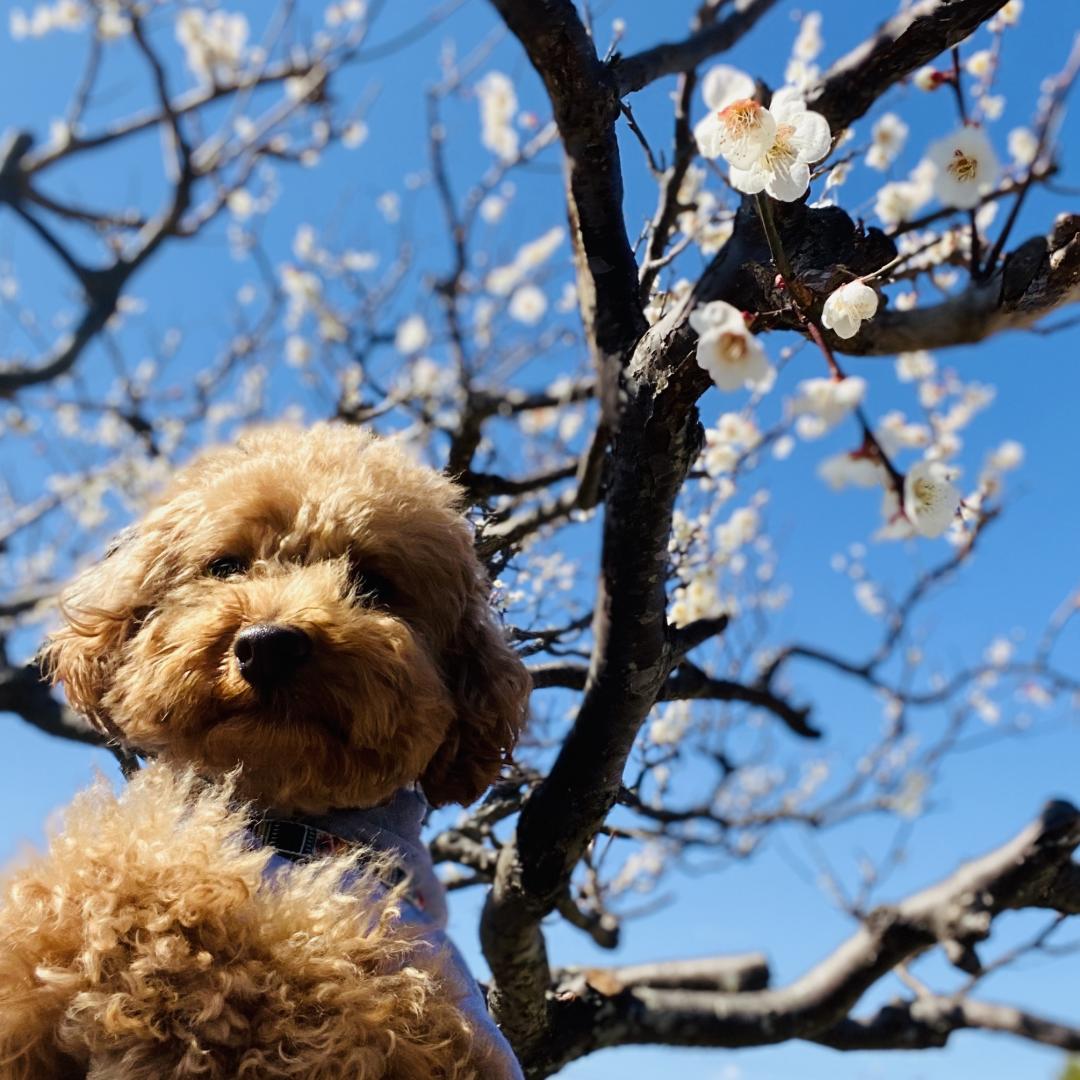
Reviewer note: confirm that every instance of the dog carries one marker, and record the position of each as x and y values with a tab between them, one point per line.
298	639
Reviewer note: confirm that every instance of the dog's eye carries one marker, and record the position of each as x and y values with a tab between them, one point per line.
226	566
371	587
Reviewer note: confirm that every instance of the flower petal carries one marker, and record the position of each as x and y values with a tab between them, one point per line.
724	84
787	103
812	136
747	130
790	182
748	181
707	136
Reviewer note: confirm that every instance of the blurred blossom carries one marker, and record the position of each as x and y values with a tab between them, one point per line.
828	400
527	305
889	135
965	167
214	43
504	279
412	335
931	500
498	106
1023	145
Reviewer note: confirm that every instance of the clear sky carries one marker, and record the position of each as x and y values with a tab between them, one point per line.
1025	568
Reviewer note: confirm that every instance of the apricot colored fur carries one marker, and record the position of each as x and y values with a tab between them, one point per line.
149	942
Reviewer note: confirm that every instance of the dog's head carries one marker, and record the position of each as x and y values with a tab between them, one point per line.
306	604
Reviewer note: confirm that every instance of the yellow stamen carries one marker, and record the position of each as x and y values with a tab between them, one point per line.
962	167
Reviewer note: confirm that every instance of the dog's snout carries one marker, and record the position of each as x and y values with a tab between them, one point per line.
267	654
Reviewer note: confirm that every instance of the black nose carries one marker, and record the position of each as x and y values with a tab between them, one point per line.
268	654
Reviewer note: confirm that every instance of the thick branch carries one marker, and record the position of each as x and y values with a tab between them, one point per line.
826	248
585	99
907	41
731	974
929	1021
958	910
1039	277
637	71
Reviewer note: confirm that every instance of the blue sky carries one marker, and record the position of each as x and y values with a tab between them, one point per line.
1023	570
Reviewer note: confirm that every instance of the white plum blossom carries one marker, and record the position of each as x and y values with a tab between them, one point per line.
357	262
354	134
966	167
915	366
869	598
739	530
895	433
848	307
241	203
389	205
768	149
214	43
1023	145
801	70
928	78
851	470
1009	455
980	64
783	447
809	42
527	305
503	280
731	355
828	401
698	599
412	335
297	351
799	137
723	86
726	443
931	500
889	135
999	652
492	209
708	222
498	105
62	15
671	723
900	200
112	24
992	106
1009	15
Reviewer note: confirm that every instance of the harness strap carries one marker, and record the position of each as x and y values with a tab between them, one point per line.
301	843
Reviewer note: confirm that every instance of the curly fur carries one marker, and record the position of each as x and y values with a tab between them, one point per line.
148	942
151	944
425	689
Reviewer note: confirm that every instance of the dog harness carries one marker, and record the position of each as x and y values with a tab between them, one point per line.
394	829
298	842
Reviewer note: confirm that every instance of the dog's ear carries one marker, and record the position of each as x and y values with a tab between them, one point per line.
100	608
491	688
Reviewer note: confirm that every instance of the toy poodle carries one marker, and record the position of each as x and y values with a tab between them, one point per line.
298	640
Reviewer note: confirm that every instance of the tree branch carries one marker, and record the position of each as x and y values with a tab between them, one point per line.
1037	278
929	1021
959	909
635	72
906	42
